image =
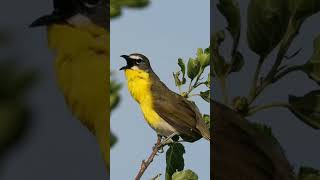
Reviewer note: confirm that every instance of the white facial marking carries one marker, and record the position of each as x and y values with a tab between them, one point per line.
79	19
134	68
89	5
135	57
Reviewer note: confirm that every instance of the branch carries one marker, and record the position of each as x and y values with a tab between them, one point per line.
145	164
267	106
287	71
224	90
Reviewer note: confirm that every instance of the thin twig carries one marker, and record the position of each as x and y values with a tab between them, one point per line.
254	84
145	163
293	55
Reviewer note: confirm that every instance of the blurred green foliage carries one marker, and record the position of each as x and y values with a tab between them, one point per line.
15	113
308	173
114	101
117	5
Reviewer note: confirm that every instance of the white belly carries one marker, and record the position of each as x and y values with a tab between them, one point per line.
164	129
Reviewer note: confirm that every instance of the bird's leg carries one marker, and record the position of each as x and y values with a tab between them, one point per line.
158	144
168	139
158	141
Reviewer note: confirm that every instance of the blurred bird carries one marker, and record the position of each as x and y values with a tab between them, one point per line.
168	113
78	32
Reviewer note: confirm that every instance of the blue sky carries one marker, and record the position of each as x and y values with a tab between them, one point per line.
164	31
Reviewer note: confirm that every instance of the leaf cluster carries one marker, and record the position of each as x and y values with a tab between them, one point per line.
272	26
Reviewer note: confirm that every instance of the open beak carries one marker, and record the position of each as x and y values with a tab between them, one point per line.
129	62
48	19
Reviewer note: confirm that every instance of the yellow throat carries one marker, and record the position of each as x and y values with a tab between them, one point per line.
139	86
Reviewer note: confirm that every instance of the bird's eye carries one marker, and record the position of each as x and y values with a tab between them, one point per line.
138	61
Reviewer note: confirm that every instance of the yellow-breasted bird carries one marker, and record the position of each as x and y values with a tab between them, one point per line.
167	112
78	33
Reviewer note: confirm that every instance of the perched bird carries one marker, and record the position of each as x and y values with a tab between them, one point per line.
167	112
78	33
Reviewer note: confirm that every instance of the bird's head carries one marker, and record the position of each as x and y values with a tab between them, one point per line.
136	61
76	13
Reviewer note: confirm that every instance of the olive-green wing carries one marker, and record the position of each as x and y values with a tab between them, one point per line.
176	110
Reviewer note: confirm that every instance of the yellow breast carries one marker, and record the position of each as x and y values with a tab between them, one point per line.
139	85
81	67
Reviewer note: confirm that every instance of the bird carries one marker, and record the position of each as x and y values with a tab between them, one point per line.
78	34
168	113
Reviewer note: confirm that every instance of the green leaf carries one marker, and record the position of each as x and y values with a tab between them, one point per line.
204	58
206	119
267	24
217	38
219	65
230	10
237	62
157	177
193	68
205	95
307	108
302	9
183	70
113	139
174	159
208	82
114	94
308	173
117	5
182	66
185	175
176	79
312	67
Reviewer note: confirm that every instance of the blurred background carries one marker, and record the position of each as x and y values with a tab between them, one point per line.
163	31
39	139
299	141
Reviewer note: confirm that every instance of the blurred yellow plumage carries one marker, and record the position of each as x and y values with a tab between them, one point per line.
79	36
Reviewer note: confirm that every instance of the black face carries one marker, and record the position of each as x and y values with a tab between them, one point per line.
136	62
95	10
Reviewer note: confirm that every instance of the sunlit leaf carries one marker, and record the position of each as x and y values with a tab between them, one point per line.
193	68
182	69
176	79
206	119
205	95
185	175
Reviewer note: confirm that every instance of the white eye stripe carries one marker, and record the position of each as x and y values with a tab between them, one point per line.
135	57
90	5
